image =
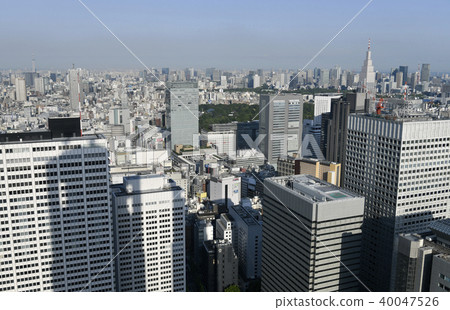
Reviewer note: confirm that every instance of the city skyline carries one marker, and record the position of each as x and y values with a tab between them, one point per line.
311	168
223	35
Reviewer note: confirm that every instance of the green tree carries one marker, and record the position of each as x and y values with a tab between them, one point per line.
232	288
308	110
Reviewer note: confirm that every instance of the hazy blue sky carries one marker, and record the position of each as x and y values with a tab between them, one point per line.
225	34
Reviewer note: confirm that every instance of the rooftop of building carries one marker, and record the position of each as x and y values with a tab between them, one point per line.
41	136
224	176
441	227
407	116
306	160
227	217
445	257
143	184
245	215
59	129
182	84
335	95
433	240
314	189
210	245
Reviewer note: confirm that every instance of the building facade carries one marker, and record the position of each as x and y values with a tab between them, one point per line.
402	169
220	265
55	214
225	189
76	95
323	170
280	122
182	113
311	235
149	212
21	90
248	242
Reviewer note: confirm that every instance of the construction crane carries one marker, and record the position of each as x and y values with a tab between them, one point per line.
379	106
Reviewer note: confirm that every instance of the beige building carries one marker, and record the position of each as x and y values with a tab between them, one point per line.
323	170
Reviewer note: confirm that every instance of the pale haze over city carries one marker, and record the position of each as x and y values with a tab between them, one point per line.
224	34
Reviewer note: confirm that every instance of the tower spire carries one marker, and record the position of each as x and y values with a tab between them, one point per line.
33	64
369	45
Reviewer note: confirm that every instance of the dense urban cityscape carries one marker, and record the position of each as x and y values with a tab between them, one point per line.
322	179
96	163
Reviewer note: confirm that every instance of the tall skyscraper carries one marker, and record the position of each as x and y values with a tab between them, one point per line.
182	113
280	120
367	76
399	79
149	211
324	79
21	90
55	213
322	104
404	70
76	94
302	257
425	73
402	169
334	131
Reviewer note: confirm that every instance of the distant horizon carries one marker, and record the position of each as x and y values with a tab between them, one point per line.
137	70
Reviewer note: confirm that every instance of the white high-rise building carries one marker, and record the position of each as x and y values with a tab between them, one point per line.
322	104
256	81
21	90
55	217
223	141
39	85
120	116
182	113
225	189
367	76
402	167
149	212
223	81
76	94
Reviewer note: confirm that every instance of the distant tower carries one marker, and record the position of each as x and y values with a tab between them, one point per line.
367	76
33	64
